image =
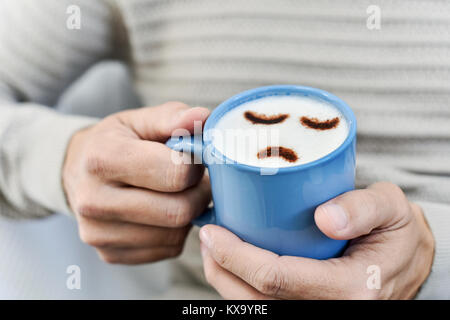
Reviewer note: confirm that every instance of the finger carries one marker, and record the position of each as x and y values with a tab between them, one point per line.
274	276
138	256
107	234
356	213
147	207
227	284
145	164
158	123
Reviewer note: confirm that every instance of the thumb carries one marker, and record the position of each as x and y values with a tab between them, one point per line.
158	123
356	213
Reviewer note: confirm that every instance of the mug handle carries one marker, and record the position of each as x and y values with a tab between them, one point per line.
194	145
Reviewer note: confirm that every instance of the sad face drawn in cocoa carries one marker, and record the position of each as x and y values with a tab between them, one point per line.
282	152
250	127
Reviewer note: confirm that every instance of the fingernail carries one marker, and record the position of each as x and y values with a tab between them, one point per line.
336	214
205	238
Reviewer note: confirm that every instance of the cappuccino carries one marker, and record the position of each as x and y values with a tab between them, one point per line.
280	131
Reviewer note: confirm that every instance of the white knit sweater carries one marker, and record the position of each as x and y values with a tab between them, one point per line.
396	79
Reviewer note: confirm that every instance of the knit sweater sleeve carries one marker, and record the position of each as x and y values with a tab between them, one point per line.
46	44
438	282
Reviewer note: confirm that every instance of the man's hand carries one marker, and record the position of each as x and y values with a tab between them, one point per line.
131	201
388	232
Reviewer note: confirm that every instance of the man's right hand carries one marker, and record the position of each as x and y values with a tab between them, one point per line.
131	201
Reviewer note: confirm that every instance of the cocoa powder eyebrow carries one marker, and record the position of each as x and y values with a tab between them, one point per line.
285	153
316	124
257	118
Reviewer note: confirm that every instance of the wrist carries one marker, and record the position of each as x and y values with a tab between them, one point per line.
73	152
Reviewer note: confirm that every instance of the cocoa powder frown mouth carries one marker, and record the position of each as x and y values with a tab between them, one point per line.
282	152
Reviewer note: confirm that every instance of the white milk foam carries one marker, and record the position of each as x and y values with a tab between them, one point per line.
240	140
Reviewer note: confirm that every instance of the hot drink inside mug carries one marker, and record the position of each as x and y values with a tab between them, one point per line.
280	131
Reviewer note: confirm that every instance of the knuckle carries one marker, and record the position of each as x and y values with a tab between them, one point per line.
396	193
85	210
101	158
395	190
178	177
180	216
86	206
96	164
84	235
92	239
109	258
171	217
387	185
99	242
268	279
390	188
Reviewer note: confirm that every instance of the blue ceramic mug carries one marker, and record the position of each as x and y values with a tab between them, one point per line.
275	211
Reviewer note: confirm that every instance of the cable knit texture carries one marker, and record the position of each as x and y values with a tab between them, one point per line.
396	79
